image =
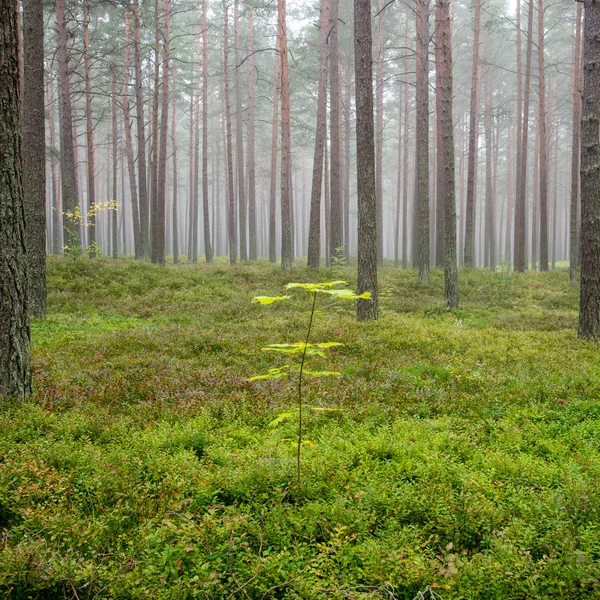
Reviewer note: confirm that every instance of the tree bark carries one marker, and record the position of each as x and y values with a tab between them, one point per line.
115	158
208	249
273	186
439	165
589	305
379	131
575	153
422	137
446	132
405	166
56	213
175	207
490	234
366	310
469	249
15	361
34	153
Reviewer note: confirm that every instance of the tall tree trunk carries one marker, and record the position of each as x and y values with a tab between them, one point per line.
239	135
314	231
490	236
115	158
230	189
286	223
251	161
365	155
67	150
534	208
469	249
439	165
175	206
520	255
194	207
446	132
155	200
141	136
379	53
398	190
56	212
543	143
336	234
208	249
15	361
34	153
422	137
405	166
575	152
137	240
509	189
346	184
589	306
91	165
519	140
273	188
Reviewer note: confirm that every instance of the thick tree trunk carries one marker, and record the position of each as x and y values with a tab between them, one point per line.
575	156
520	255
446	132
141	136
365	155
230	189
336	223
15	362
135	212
34	153
287	258
67	150
469	260
314	230
589	306
251	161
543	143
422	138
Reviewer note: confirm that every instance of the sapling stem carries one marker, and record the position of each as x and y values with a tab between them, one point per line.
312	314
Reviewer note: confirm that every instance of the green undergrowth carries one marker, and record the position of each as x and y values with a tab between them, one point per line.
465	456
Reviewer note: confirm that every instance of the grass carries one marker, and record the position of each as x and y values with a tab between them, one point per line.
466	456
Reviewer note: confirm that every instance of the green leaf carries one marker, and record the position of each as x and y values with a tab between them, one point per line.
269	299
282	417
271	374
321	373
347	294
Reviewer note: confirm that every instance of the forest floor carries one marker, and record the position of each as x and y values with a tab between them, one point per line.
465	455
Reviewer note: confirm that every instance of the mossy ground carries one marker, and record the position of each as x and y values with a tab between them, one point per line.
465	456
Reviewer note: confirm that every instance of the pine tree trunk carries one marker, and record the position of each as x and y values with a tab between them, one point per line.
230	189
175	207
251	160
141	136
15	361
469	260
405	166
589	306
34	153
520	255
115	159
56	212
346	186
286	222
490	237
365	155
519	140
422	138
398	190
135	212
91	164
314	230
67	151
575	153
543	143
208	249
439	166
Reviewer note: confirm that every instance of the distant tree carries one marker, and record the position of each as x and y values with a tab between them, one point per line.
469	250
34	153
314	230
275	129
251	144
589	307
208	249
175	202
422	138
15	361
286	204
365	155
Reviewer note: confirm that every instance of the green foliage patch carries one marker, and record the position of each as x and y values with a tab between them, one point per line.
457	450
